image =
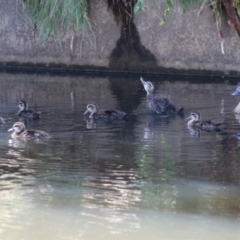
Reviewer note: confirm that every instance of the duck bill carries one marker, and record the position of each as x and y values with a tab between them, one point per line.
188	118
86	112
142	80
145	84
10	129
236	92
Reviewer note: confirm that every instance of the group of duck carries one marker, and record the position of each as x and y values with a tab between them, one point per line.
159	105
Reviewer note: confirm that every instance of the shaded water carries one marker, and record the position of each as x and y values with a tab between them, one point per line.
147	178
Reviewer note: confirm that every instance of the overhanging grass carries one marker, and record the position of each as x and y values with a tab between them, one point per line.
49	16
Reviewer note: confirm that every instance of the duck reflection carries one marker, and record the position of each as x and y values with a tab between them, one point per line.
149	129
17	143
194	132
153	122
91	123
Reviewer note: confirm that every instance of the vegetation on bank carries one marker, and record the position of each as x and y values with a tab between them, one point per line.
50	15
221	9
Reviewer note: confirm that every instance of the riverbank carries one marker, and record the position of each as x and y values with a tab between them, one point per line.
186	44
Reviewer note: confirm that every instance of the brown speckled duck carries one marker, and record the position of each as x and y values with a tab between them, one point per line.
111	115
159	105
20	131
194	121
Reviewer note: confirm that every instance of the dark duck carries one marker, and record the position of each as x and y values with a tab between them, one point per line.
20	132
111	115
194	121
24	112
159	105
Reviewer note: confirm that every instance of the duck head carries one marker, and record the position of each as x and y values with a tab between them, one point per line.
92	108
17	127
22	105
194	117
237	91
148	86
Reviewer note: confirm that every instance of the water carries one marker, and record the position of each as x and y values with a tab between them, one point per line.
147	178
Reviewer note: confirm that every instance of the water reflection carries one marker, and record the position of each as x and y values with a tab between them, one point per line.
91	124
153	123
96	180
194	132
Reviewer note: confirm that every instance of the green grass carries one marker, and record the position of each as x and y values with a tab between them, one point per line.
49	16
169	5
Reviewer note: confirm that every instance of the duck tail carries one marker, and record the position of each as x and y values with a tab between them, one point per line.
36	115
126	117
180	111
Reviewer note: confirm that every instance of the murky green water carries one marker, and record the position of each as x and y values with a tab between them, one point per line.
146	179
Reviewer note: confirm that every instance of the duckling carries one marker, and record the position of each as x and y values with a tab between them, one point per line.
236	92
105	115
24	112
159	105
194	121
20	131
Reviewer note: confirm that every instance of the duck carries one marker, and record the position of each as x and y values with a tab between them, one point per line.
24	112
20	131
236	92
111	115
159	105
195	122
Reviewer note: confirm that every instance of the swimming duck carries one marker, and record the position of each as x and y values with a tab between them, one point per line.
24	112
159	105
20	131
236	92
194	121
105	115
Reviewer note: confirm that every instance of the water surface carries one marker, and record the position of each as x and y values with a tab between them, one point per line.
147	178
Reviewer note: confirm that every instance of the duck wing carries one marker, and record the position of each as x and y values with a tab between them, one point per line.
116	114
29	114
210	126
163	106
209	122
35	134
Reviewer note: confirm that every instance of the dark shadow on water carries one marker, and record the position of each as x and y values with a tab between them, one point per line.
128	92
